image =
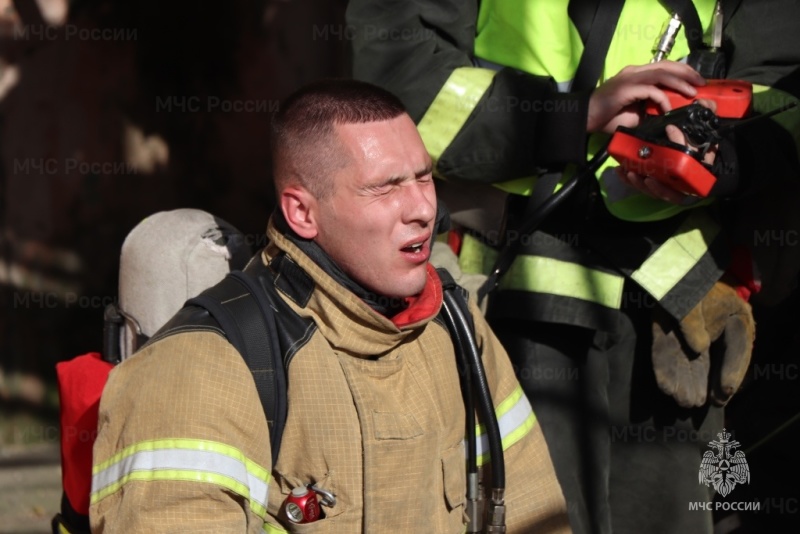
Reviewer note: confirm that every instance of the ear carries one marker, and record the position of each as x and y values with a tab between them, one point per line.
300	211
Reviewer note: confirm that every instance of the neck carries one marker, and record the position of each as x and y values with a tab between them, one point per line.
386	306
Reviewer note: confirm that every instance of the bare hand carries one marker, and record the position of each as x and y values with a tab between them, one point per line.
616	102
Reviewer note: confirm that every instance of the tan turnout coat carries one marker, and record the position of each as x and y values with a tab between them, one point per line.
375	416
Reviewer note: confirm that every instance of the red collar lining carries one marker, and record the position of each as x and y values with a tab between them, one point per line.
424	305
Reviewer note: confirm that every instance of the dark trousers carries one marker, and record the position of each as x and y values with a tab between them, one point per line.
626	455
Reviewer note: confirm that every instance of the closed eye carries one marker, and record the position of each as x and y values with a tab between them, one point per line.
385	186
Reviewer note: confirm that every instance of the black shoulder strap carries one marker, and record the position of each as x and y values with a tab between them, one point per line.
242	307
595	47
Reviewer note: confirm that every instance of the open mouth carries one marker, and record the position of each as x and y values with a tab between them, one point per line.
414	248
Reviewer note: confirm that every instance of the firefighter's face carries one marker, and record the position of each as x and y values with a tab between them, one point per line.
378	222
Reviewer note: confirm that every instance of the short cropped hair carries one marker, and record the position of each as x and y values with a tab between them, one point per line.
305	149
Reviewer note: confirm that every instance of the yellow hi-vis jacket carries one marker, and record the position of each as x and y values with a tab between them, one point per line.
375	416
489	85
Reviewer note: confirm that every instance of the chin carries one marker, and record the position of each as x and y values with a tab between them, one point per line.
414	287
406	285
401	291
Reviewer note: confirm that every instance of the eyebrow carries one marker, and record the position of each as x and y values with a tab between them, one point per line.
418	174
394	179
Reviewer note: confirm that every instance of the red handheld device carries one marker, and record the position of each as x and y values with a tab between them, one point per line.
733	97
646	150
666	163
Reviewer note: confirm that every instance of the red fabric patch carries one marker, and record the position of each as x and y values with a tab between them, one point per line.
80	383
424	305
743	271
454	240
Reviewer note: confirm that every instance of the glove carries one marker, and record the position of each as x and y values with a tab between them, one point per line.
443	256
706	353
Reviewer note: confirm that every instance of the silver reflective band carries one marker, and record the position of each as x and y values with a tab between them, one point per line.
510	422
185	464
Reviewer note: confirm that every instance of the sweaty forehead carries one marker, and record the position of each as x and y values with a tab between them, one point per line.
377	140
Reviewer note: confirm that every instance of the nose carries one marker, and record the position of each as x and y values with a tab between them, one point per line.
420	203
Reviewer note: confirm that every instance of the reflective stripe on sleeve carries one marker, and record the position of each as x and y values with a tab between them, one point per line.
452	107
515	418
184	460
565	279
677	256
540	274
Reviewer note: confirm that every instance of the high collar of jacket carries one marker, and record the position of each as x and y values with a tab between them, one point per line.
345	319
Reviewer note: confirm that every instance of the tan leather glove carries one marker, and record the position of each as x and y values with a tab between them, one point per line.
443	256
706	353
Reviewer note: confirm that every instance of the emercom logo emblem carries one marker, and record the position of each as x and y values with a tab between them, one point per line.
724	468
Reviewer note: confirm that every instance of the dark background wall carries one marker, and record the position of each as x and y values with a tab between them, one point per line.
117	110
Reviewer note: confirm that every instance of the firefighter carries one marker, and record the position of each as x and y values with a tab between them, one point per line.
609	310
376	416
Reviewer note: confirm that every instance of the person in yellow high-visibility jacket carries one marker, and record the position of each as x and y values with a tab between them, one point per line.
610	308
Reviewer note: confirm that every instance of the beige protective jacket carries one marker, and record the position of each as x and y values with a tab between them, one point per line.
375	416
